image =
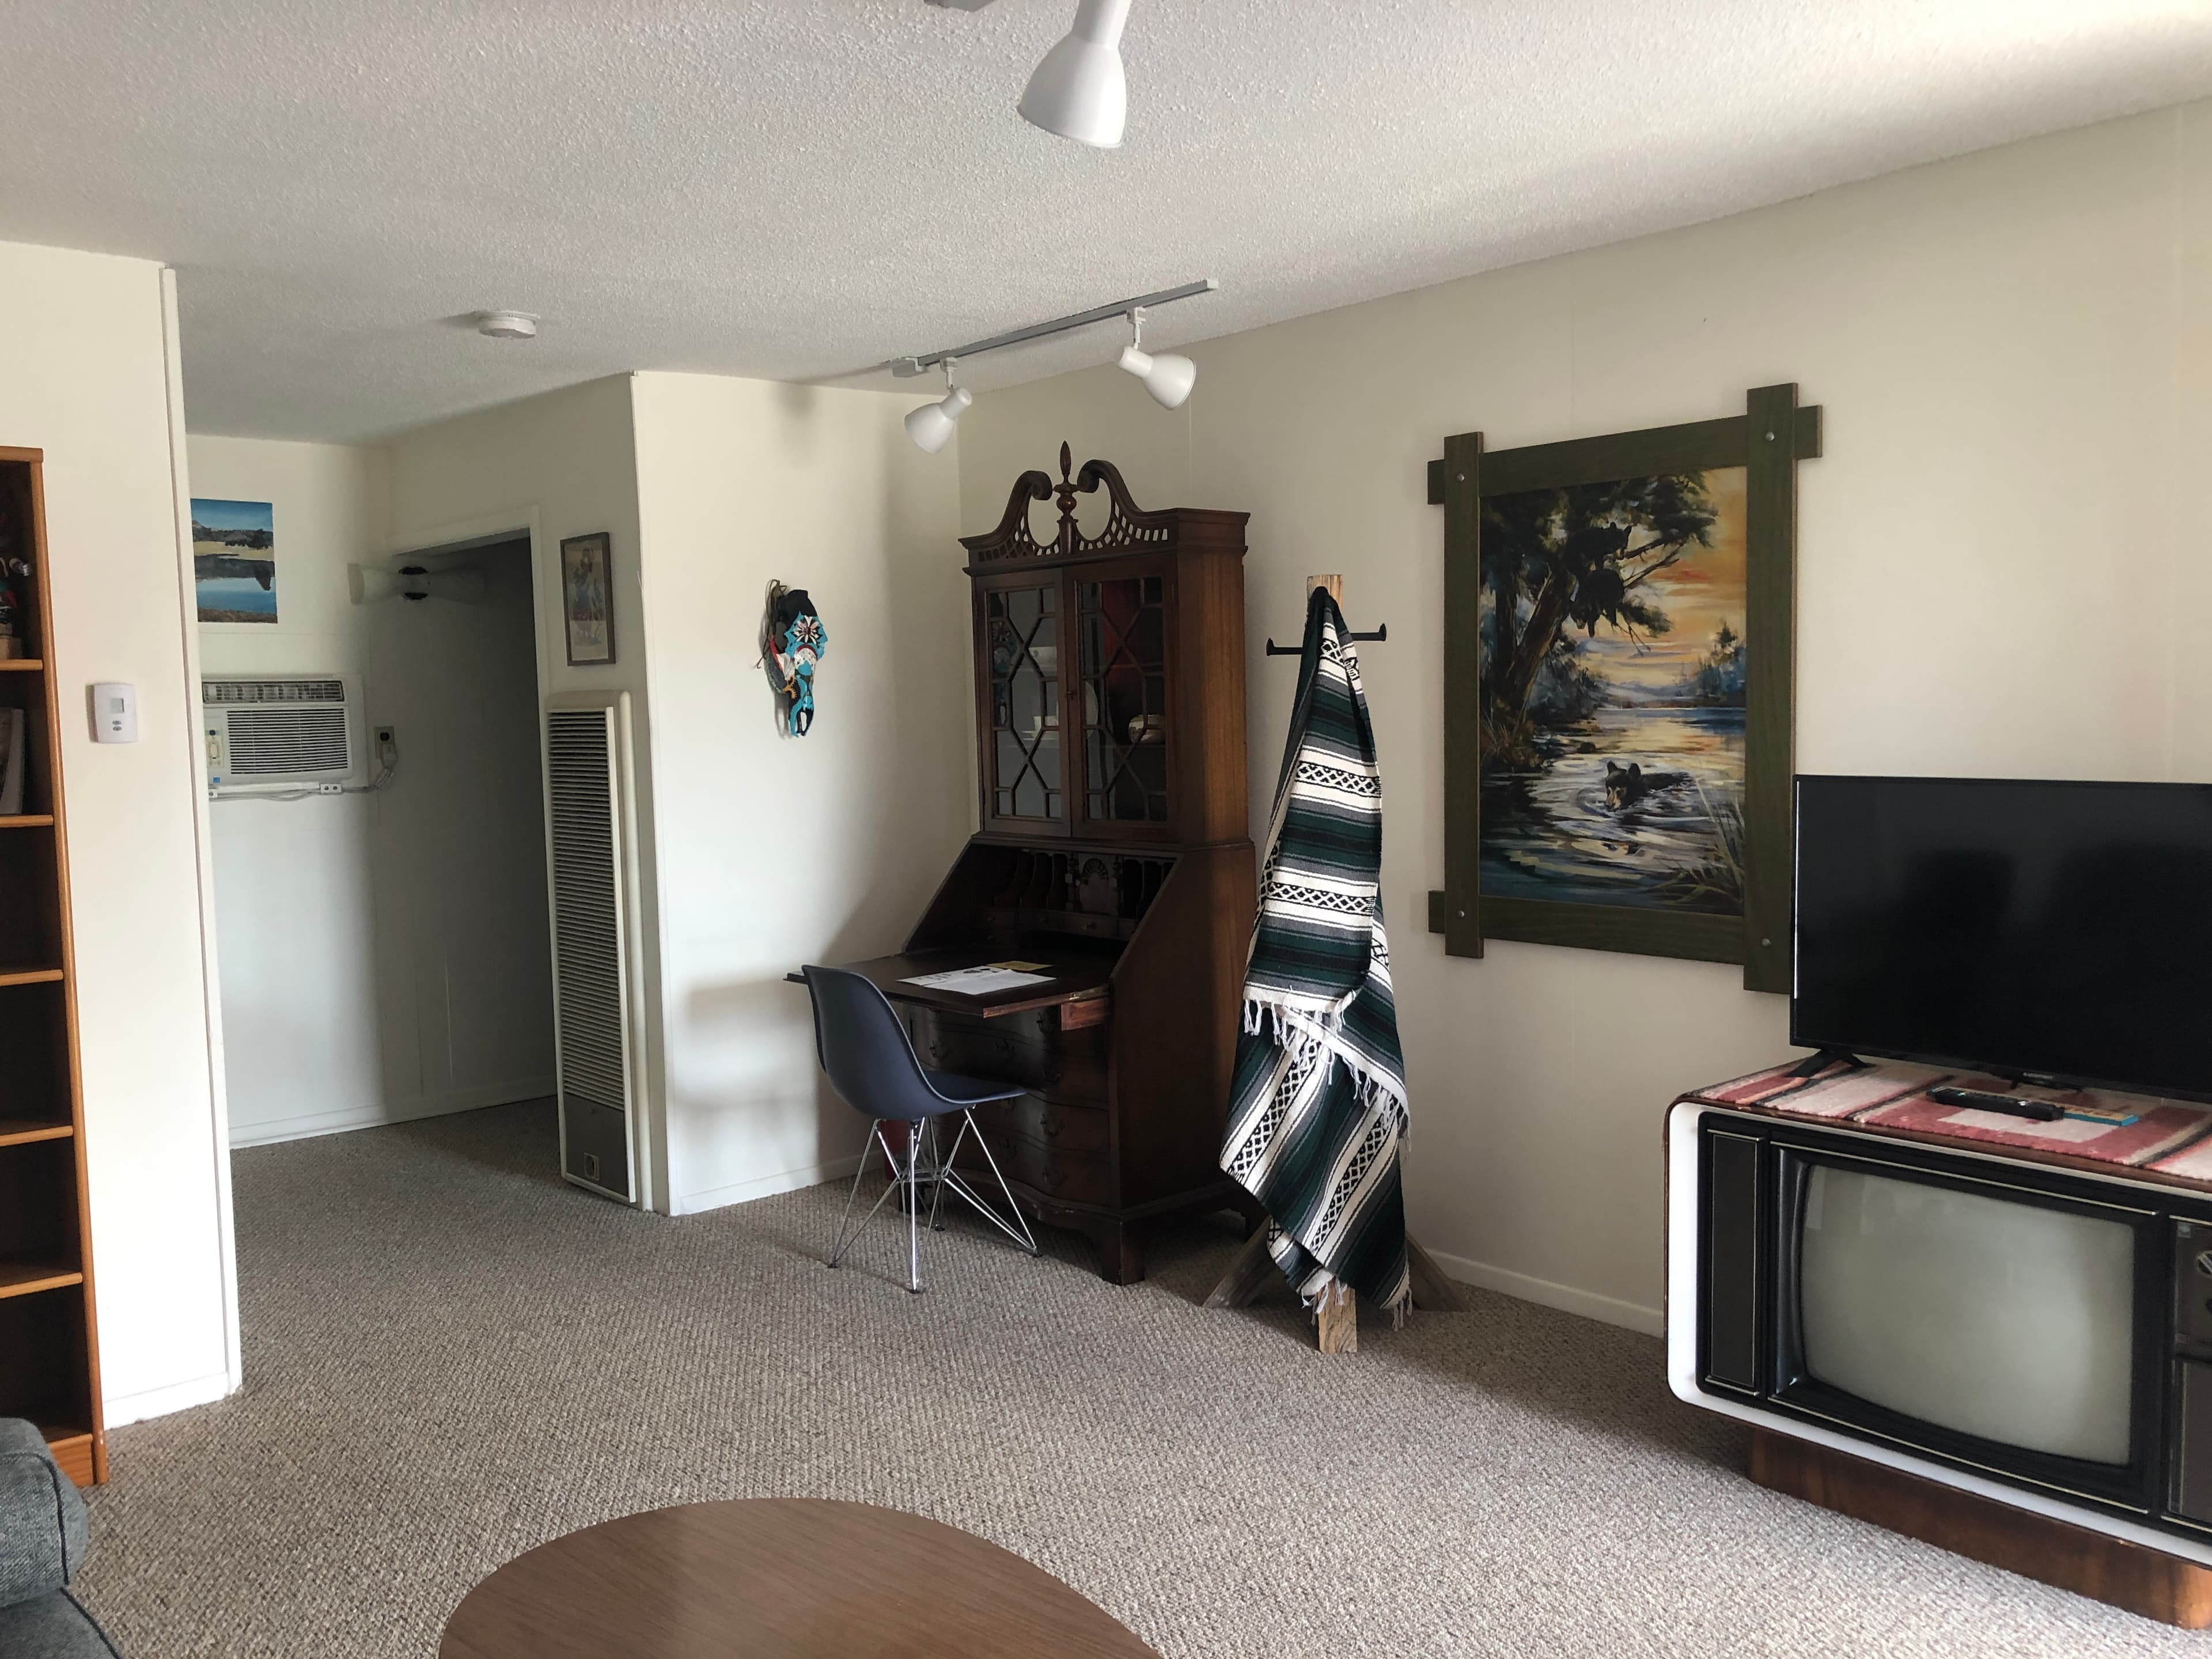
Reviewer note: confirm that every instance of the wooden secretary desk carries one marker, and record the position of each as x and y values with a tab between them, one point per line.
1114	850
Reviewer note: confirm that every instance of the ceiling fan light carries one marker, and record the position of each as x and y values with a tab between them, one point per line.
931	425
1079	90
1167	377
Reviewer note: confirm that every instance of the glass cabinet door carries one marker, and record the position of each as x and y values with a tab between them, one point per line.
1025	767
1121	623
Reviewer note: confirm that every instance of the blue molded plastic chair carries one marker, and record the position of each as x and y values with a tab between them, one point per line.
863	1047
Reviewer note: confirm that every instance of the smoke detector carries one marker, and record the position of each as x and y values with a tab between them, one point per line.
507	325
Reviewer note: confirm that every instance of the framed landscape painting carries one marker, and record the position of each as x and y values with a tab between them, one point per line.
1618	665
234	560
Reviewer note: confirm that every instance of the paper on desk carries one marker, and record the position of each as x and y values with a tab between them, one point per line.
978	981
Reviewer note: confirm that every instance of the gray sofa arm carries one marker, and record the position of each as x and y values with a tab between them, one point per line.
42	1535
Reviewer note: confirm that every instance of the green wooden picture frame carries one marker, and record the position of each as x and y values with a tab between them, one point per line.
1768	440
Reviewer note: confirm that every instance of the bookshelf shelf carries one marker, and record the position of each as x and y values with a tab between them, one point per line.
24	1132
49	1334
29	1278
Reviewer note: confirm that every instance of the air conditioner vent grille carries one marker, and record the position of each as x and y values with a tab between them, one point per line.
229	692
275	742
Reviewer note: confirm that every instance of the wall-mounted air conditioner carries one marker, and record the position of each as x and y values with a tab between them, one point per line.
278	732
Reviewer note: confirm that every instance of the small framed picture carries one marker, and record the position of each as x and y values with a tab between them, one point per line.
587	598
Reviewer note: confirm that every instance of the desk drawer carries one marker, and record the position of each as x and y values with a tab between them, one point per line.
1056	1172
1029	1049
1047	1123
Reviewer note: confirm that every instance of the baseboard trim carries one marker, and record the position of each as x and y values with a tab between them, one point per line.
1609	1309
376	1116
117	1409
744	1192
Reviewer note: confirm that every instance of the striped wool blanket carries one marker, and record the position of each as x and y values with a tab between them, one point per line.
1317	1111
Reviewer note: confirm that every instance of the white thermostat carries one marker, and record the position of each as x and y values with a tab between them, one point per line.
114	712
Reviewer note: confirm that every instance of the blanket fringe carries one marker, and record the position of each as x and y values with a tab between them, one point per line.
1314	1043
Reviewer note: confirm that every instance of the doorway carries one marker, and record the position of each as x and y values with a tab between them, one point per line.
464	961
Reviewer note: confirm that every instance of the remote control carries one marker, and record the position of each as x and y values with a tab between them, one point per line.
2018	1105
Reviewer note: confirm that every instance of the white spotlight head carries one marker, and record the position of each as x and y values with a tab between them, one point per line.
931	425
1167	377
507	325
1080	91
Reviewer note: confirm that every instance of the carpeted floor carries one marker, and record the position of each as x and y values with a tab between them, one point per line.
451	1356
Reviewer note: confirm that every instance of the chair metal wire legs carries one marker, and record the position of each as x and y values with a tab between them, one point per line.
949	1176
909	1177
940	1176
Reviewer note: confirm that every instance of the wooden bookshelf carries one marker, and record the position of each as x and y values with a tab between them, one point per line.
49	1335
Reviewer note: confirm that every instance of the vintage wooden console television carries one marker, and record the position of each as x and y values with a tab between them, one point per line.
1113	851
1987	1332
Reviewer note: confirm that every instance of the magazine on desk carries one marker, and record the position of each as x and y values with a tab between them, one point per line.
982	982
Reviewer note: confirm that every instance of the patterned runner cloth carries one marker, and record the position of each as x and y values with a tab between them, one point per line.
1317	1111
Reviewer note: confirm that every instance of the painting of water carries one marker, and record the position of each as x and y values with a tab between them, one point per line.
234	560
1614	656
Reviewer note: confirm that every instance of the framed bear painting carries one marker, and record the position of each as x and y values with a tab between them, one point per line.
1618	667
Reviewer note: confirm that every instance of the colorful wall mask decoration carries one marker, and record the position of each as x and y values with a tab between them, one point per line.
793	641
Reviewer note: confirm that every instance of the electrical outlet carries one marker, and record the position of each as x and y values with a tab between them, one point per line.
385	737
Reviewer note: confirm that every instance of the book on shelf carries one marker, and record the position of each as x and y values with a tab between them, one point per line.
11	762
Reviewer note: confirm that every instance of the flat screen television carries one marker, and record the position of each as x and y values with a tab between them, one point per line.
2051	933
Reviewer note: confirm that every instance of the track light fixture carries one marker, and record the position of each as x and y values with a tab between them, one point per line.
1080	91
1167	377
931	425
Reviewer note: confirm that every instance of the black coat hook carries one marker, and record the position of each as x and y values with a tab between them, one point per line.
1274	650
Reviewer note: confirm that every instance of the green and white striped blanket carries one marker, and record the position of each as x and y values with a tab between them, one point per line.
1317	1111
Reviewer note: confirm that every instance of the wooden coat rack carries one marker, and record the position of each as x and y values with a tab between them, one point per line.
1336	1314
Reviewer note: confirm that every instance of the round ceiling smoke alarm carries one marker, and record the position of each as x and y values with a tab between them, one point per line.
507	325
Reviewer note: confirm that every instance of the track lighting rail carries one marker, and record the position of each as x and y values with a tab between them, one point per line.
907	366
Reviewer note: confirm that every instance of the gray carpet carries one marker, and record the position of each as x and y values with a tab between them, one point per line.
451	1356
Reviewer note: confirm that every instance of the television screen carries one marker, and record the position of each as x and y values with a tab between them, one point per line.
2043	931
2008	1321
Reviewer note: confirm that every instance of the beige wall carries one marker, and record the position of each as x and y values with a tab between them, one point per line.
88	374
293	909
775	851
384	957
1999	574
757	853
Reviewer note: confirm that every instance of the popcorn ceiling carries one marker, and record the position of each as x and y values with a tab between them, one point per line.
800	189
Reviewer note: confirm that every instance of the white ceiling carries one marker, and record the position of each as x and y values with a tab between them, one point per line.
797	189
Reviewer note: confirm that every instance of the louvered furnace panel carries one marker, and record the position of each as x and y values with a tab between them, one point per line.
586	790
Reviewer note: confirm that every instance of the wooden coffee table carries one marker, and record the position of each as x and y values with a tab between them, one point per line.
778	1578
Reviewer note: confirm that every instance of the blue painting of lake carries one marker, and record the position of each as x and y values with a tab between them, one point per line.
234	560
1664	835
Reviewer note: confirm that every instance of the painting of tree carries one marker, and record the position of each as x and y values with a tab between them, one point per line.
1580	558
1619	661
1613	666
